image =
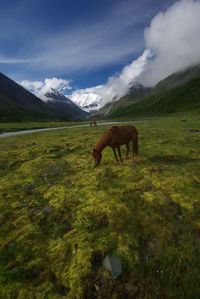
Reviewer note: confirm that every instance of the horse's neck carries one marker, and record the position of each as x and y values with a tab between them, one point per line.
102	143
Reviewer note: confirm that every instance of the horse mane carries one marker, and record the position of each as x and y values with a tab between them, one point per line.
103	142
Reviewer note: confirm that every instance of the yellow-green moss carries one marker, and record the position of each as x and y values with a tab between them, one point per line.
146	213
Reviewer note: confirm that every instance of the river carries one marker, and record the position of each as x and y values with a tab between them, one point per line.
22	132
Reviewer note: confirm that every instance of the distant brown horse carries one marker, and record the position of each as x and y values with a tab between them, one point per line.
115	137
93	122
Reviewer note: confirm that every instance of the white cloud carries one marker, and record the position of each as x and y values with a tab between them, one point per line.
33	86
116	86
172	42
85	43
174	37
39	88
9	60
86	97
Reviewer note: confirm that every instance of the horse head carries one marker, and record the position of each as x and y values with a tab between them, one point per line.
97	156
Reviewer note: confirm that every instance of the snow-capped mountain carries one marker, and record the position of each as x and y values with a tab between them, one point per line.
94	98
55	95
59	102
18	104
87	99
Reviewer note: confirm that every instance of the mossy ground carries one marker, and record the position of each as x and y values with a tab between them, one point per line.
60	215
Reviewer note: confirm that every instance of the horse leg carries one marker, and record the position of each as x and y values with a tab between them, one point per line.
127	150
119	153
133	151
114	151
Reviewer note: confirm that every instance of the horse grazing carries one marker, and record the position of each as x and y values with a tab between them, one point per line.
93	122
114	137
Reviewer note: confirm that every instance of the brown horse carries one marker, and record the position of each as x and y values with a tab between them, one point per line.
115	137
93	122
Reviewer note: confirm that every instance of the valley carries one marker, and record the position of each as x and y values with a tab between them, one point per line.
57	226
100	149
63	220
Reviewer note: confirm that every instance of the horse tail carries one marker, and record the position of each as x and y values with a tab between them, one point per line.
135	143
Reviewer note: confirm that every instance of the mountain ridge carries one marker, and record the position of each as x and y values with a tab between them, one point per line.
135	93
19	104
63	105
178	92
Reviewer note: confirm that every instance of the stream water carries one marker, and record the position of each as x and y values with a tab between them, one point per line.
22	132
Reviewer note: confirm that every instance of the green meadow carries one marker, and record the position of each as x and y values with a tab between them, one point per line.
7	127
60	216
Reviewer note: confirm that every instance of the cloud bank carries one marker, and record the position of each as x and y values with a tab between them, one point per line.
172	43
115	87
108	37
174	37
39	88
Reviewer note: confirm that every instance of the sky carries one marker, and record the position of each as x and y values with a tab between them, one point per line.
93	50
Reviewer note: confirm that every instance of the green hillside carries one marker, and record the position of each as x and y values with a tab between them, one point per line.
165	98
112	107
178	78
19	105
135	93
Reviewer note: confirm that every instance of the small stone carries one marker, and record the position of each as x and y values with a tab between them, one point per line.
96	287
130	288
48	210
24	204
11	244
113	265
34	211
30	188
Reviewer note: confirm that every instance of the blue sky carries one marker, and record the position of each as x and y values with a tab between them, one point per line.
83	41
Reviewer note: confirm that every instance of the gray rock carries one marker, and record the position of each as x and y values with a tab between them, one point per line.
129	287
96	287
30	188
11	244
48	210
34	211
113	265
195	131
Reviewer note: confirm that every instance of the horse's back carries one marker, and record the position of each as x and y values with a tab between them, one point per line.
122	134
123	129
